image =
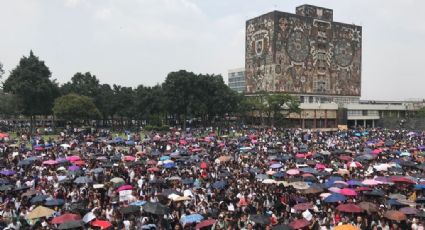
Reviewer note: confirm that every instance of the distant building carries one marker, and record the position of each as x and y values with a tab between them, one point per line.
305	54
236	79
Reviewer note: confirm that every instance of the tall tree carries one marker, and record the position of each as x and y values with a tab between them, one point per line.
1	70
82	84
30	82
73	107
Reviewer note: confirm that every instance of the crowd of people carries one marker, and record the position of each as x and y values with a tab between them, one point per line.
214	179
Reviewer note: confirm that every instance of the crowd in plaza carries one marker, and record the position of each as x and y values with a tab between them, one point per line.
214	179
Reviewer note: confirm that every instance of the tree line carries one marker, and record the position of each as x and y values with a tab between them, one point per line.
183	97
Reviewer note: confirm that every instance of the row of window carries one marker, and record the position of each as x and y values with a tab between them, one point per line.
237	84
233	79
362	113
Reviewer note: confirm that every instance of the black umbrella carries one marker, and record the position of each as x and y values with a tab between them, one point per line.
6	187
71	224
25	187
376	192
282	227
129	209
156	208
39	198
187	181
168	192
260	219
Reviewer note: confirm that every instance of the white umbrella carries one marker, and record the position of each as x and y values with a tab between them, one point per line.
65	146
89	217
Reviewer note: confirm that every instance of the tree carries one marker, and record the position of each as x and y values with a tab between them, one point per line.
73	107
30	82
82	84
421	112
9	105
1	70
276	103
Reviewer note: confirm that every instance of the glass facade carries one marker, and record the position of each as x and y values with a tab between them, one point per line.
236	80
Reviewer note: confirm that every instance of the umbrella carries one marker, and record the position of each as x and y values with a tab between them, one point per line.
349	208
348	192
299	185
276	166
299	223
50	162
395	215
65	218
54	202
397	196
39	198
368	206
303	206
193	218
293	172
129	209
409	210
73	168
117	180
24	162
312	190
39	212
219	184
346	227
29	193
376	192
71	224
205	223
335	197
6	187
102	224
97	170
7	172
260	219
261	176
187	181
282	227
89	217
83	180
156	208
125	187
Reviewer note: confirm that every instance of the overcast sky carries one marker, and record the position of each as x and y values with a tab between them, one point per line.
132	42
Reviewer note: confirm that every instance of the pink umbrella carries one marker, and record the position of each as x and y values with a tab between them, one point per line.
73	158
377	151
348	192
354	164
129	158
125	187
320	166
370	182
293	172
183	142
300	155
50	162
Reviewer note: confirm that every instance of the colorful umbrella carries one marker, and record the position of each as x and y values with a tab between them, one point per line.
302	206
395	215
368	206
102	224
299	223
39	212
205	223
335	197
348	192
65	218
351	208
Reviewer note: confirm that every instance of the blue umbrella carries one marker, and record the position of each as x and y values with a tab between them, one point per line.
335	197
354	182
394	202
54	202
39	198
138	203
261	176
376	192
419	186
219	184
24	162
275	166
130	142
187	181
118	140
279	174
309	170
164	158
169	165
191	219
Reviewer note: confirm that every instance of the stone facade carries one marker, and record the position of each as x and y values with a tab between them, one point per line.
304	53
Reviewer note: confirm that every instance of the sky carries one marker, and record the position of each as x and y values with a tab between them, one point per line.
133	42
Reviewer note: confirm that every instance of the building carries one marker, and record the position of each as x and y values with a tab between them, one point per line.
236	79
305	54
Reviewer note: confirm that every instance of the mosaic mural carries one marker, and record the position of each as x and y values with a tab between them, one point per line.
305	55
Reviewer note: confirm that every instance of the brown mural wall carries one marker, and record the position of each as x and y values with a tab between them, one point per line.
302	55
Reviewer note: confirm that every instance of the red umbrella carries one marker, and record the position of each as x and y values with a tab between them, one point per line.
363	188
3	135
395	215
102	224
151	162
302	206
299	223
203	165
125	187
129	158
345	158
401	179
155	169
65	218
349	208
205	223
80	162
